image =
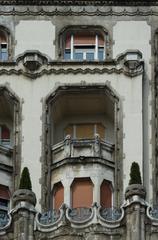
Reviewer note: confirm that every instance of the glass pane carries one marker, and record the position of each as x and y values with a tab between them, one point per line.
90	56
78	56
67	55
4	52
4	56
101	54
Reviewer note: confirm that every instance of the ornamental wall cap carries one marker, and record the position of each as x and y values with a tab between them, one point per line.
135	189
23	195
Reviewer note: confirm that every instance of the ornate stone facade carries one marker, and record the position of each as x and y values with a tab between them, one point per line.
78	104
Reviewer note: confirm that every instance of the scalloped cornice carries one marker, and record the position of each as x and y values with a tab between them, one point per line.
83	11
81	2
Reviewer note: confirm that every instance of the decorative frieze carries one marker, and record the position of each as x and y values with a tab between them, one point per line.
80	2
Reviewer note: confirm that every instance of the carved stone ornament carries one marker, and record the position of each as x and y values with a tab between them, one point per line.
23	195
32	60
135	189
132	61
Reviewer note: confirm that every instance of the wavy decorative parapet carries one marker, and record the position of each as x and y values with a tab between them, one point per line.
35	64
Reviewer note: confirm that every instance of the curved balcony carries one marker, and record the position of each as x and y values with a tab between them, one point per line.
78	148
4	219
49	217
80	217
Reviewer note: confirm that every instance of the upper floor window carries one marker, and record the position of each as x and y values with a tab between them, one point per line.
4	135
3	46
85	43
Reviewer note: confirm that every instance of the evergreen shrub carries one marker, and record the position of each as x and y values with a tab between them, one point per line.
135	177
25	181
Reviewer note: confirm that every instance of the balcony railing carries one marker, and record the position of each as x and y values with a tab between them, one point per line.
111	214
82	215
153	212
4	219
73	148
49	217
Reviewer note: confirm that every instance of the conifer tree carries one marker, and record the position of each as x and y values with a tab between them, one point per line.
25	181
135	177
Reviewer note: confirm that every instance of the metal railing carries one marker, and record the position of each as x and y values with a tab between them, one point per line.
154	212
80	214
4	219
49	217
111	214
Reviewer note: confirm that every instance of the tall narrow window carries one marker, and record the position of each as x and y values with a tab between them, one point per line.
58	195
3	46
84	45
106	194
82	192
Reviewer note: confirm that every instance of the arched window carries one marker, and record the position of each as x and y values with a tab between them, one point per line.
82	192
58	195
106	194
3	45
4	198
4	135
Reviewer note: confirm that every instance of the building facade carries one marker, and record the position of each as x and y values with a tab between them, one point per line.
78	105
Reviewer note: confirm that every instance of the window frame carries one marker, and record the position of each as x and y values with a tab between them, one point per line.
9	42
98	30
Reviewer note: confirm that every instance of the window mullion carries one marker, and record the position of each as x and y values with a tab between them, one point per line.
96	47
72	46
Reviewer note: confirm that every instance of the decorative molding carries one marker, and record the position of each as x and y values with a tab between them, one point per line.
80	3
84	12
34	64
74	71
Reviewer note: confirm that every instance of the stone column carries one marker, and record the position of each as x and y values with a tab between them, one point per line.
135	209
24	202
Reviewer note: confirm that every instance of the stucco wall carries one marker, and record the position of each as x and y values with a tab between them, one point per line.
35	35
32	93
137	35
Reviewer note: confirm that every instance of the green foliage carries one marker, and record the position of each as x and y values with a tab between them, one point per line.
25	181
135	177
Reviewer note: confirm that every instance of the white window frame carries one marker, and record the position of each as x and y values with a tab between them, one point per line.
84	51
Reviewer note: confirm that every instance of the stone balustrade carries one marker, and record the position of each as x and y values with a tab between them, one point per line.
75	148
